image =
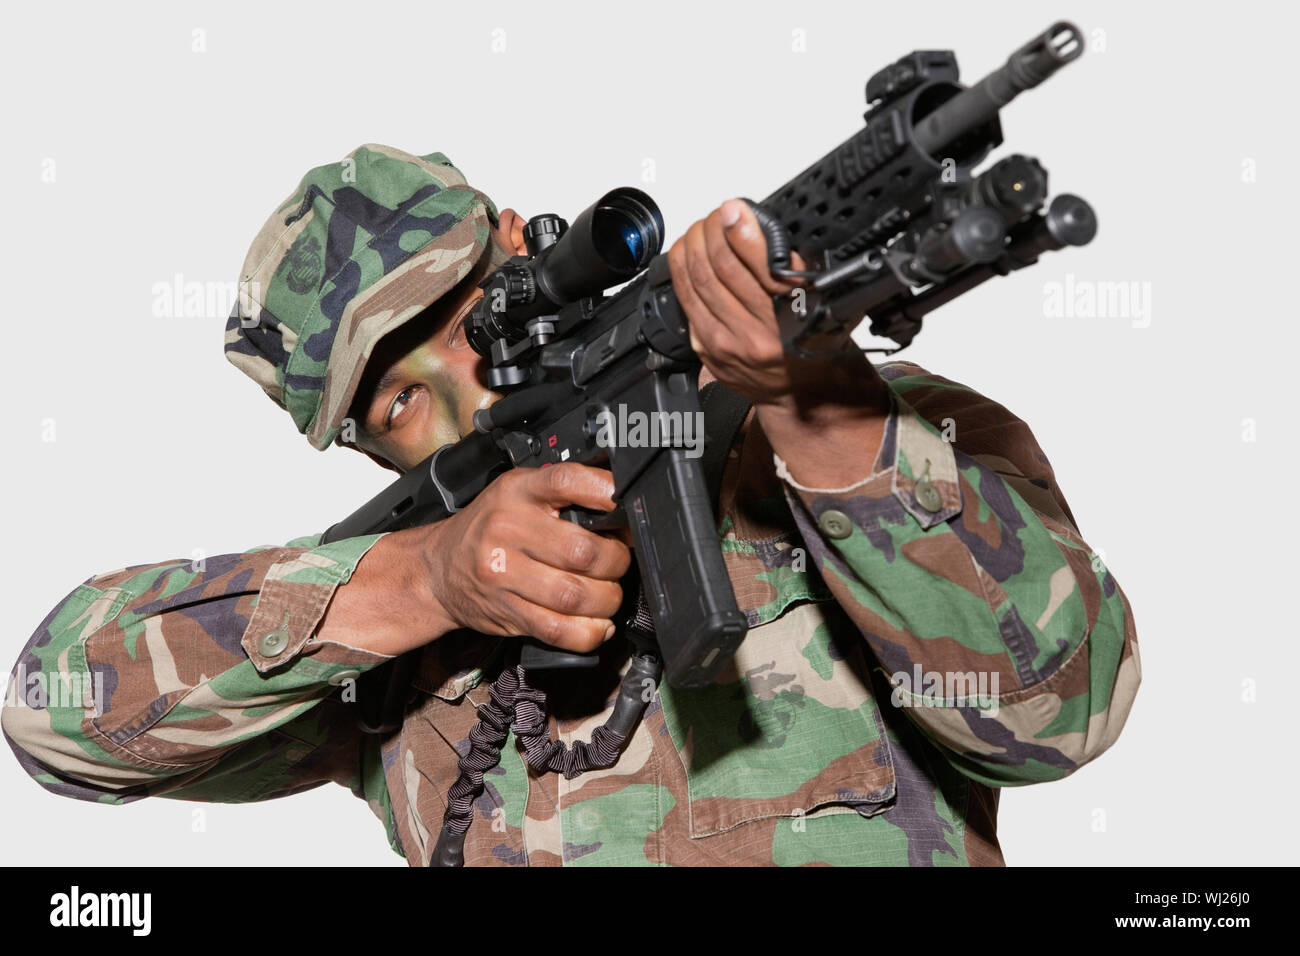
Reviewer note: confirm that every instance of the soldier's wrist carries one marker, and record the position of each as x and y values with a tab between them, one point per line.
419	578
831	447
388	605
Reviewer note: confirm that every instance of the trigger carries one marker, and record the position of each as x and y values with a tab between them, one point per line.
595	520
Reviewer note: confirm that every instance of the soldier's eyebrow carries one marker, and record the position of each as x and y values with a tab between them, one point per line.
389	377
364	400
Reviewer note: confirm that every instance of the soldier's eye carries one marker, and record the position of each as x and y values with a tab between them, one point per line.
400	404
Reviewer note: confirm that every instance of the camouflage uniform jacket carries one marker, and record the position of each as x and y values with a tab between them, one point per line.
809	750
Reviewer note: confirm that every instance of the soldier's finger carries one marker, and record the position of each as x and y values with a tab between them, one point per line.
727	312
571	483
746	240
737	274
563	592
579	634
706	332
569	547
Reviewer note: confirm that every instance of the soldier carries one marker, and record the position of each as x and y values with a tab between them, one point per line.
926	622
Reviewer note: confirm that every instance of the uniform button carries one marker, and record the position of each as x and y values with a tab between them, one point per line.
927	495
273	642
835	524
344	676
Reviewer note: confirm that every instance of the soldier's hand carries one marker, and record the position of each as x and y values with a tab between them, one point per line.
721	278
508	564
827	413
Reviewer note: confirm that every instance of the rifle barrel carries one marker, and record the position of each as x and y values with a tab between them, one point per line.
1034	62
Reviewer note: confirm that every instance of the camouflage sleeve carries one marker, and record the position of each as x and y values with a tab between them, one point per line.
1005	638
198	682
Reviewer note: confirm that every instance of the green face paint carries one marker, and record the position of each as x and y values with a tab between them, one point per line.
427	385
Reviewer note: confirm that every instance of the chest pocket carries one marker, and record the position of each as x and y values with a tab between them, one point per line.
791	728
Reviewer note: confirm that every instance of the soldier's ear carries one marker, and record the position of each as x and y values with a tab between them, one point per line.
510	232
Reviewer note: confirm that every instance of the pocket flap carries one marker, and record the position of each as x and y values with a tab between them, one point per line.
791	727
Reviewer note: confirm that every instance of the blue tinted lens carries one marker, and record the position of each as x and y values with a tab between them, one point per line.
632	237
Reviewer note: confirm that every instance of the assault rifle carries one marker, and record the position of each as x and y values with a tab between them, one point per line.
893	223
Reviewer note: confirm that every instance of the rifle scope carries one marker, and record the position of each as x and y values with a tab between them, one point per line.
611	241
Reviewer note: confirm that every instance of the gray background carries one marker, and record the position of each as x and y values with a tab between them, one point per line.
168	159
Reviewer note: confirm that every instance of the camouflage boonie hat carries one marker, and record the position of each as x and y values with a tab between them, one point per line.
360	247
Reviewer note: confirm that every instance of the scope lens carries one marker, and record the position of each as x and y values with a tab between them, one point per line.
627	234
611	241
634	243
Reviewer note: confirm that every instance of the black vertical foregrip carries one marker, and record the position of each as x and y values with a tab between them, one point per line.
697	623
